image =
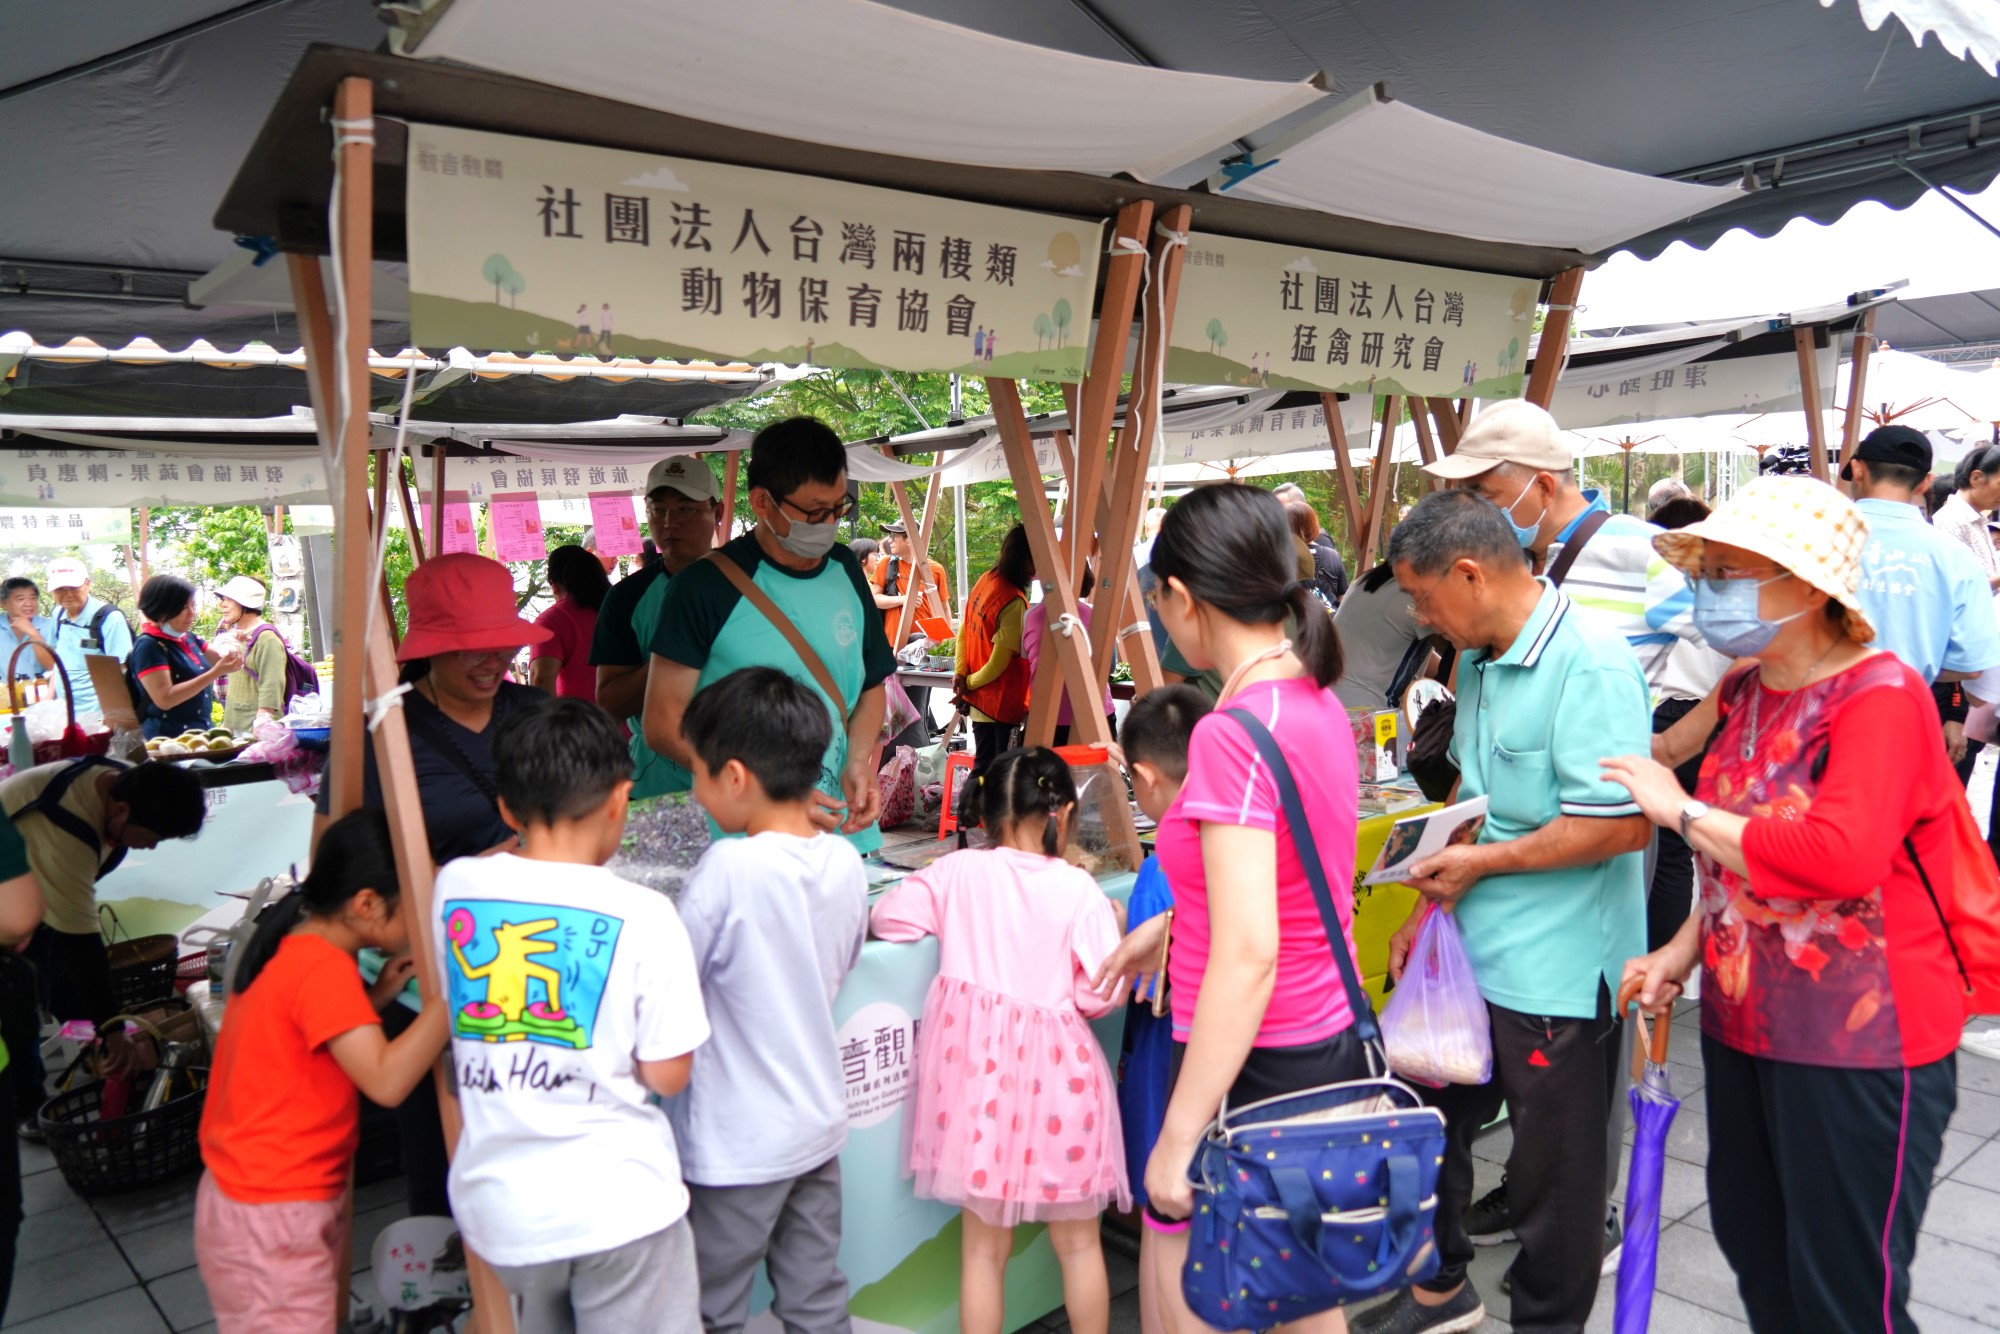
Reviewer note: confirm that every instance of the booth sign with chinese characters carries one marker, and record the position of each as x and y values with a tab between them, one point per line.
1277	316
531	245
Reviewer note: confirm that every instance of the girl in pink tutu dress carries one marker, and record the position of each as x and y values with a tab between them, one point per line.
1015	1117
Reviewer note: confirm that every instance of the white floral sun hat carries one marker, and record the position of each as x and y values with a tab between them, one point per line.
1799	523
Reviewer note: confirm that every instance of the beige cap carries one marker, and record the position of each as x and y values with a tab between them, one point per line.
1513	431
1797	523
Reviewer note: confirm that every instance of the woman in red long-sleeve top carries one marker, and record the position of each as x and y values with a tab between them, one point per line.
1831	1001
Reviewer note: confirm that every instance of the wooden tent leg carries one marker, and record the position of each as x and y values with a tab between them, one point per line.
412	516
1803	344
1350	498
1378	483
1090	727
728	519
1857	385
1563	292
1097	399
1445	417
1426	446
1133	449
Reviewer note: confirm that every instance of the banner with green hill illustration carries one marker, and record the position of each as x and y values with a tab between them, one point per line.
1276	316
527	245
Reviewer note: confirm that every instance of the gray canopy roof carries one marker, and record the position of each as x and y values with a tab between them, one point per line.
122	122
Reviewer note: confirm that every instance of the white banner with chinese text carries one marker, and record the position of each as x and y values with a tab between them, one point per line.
1589	397
100	478
1255	313
63	529
531	245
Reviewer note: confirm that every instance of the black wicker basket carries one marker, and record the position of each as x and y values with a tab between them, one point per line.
98	1157
142	970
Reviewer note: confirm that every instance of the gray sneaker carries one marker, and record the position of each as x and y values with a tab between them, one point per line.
1402	1314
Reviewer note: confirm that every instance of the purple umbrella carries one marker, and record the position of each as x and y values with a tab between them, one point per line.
1653	1108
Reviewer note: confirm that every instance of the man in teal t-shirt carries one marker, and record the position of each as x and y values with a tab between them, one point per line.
708	629
1550	902
683	507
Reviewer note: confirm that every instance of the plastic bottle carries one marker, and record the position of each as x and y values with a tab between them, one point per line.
20	750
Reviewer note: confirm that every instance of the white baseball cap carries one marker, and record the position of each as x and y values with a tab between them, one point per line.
68	572
690	477
245	592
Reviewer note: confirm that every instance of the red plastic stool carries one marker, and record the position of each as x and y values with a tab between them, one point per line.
948	816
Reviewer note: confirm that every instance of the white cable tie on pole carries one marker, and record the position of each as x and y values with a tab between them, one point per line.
1069	624
1128	631
378	708
353	132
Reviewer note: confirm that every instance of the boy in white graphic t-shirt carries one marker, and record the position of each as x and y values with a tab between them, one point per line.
573	998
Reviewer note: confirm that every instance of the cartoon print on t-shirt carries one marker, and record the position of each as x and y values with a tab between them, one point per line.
543	972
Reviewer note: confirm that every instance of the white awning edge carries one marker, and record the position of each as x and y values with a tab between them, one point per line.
860	75
1969	29
1379	160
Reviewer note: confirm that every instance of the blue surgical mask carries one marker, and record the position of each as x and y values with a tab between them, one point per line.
1525	536
1725	611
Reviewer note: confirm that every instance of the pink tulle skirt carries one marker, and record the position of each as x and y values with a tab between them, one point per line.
1015	1116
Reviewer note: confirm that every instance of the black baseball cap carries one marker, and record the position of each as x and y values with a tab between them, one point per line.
1903	445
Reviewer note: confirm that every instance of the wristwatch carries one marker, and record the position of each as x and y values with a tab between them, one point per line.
1691	812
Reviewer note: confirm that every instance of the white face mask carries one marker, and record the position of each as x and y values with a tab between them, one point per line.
809	541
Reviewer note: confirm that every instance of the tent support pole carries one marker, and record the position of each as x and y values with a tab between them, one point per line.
1563	292
920	541
1445	416
1132	455
1857	384
359	654
1426	446
728	519
1350	498
1069	650
1046	694
412	516
1095	404
1802	342
145	533
1378	484
439	451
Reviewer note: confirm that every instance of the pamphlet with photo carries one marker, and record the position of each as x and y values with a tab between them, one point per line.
1421	836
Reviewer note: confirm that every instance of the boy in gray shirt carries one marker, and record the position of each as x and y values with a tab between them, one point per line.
777	920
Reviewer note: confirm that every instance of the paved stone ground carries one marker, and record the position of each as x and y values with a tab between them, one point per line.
125	1264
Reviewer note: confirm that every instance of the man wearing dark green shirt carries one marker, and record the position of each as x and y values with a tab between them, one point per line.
798	490
20	914
683	507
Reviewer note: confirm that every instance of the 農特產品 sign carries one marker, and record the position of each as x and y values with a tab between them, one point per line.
530	245
1276	316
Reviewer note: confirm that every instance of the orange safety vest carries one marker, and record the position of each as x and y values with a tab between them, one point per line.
1004	699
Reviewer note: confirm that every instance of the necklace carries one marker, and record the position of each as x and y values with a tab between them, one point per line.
1750	733
1277	650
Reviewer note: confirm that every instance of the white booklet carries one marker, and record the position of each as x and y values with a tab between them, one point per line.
1413	839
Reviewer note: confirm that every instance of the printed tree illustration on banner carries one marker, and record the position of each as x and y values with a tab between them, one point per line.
1512	356
515	285
499	271
1218	337
1060	317
1044	331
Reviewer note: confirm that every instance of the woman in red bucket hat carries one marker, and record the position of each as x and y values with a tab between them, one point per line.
464	632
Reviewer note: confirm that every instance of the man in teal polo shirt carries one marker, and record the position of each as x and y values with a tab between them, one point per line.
1549	901
708	629
683	507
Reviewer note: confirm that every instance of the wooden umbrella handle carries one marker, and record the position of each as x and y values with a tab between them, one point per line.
1654	1034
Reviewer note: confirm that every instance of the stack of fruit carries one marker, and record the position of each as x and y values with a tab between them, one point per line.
187	744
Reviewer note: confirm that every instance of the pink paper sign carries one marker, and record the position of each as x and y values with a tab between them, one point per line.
615	517
516	517
459	532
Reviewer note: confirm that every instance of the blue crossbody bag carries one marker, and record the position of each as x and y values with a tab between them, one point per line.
1320	1198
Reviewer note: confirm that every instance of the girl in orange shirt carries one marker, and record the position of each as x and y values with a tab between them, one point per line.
283	1115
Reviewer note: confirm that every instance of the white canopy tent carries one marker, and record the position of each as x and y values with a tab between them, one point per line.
856	74
1375	158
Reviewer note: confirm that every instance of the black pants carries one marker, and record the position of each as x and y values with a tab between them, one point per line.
988	741
1063	729
75	974
21	1030
1816	1177
1670	896
426	1166
1552	1075
10	1195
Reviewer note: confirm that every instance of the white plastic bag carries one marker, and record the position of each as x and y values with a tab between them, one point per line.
46	720
1435	1028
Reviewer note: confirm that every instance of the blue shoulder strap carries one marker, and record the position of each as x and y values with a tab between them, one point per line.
1308	850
